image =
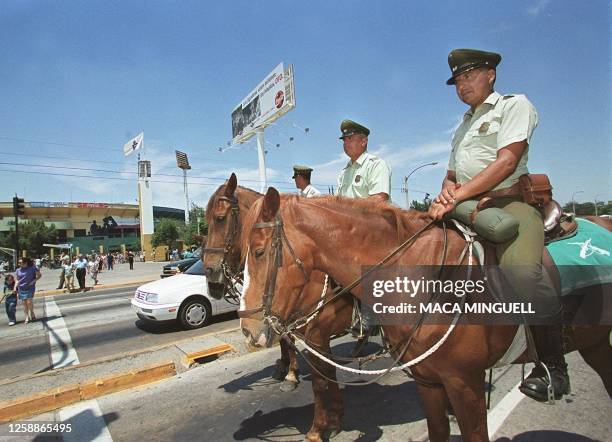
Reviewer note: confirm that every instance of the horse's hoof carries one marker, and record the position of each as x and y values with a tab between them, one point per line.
313	437
332	432
288	386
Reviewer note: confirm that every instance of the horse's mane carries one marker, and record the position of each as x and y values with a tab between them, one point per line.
221	189
403	221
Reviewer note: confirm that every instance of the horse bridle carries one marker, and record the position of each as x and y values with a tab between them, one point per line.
230	238
264	312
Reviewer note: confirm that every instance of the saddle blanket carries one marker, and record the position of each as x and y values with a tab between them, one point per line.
585	259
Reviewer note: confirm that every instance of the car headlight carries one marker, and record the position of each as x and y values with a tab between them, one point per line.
152	298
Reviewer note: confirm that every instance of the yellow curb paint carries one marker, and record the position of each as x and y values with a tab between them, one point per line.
60	397
190	357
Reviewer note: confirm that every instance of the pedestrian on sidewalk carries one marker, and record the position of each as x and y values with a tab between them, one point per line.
68	268
111	260
27	274
93	266
131	259
62	277
10	298
81	270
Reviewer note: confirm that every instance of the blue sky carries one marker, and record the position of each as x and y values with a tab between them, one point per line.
78	79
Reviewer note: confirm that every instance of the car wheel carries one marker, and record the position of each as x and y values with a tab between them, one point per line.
195	313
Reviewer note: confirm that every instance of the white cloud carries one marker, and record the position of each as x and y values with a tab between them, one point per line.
537	8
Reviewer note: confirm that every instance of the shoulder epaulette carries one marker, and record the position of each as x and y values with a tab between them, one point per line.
508	96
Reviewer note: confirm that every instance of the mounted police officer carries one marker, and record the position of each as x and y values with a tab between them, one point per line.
301	175
489	154
364	176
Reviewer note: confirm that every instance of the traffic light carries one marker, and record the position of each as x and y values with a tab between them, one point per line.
18	206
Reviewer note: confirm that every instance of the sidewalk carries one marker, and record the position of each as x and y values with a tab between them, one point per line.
121	274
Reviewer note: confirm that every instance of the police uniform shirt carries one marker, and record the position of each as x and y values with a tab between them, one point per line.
498	122
367	176
310	191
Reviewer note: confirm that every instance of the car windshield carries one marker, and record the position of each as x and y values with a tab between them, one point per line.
196	269
198	253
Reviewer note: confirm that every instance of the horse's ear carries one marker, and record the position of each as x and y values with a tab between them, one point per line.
271	204
230	188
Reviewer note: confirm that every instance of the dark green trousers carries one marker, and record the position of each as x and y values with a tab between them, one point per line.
521	261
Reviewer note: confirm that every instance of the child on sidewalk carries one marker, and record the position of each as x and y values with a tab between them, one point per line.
10	298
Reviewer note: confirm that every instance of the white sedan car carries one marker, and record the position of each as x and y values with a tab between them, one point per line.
183	297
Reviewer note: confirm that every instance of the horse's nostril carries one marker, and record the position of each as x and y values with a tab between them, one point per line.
208	271
245	332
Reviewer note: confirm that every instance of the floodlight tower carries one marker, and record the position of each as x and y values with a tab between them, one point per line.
183	163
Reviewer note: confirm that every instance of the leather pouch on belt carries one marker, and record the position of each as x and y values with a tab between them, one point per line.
536	188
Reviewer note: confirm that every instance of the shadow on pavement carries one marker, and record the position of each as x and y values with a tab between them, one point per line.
172	326
395	405
545	436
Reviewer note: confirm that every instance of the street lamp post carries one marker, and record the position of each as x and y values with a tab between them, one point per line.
405	189
596	202
574	202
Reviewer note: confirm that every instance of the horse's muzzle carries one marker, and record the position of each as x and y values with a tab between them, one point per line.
216	290
265	338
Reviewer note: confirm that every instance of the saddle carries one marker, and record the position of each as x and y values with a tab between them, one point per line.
557	225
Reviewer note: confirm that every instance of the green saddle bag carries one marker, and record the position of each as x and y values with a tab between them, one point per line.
493	224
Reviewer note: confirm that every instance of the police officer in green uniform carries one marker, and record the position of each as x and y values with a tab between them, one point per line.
364	176
489	154
301	175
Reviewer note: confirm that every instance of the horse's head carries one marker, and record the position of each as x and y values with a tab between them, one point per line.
222	248
278	263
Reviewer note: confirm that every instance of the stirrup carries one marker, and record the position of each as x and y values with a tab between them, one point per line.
550	391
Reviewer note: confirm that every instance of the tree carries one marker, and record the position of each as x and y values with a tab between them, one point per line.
32	235
421	206
588	208
166	233
196	216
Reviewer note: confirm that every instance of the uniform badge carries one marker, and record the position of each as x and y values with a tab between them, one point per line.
484	127
357	178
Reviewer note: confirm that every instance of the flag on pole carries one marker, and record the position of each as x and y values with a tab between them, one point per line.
133	145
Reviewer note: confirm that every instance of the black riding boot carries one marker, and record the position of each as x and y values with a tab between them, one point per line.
549	345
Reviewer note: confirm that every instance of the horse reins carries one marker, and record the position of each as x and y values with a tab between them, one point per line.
276	251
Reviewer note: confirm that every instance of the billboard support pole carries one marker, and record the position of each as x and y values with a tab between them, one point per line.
262	160
186	196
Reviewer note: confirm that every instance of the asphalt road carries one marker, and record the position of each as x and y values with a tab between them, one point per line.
99	324
235	399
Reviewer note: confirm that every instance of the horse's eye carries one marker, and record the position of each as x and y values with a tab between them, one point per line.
259	253
220	219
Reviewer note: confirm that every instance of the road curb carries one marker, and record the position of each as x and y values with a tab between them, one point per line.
66	395
89	380
95	288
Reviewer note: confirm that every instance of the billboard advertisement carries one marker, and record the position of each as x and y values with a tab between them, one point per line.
271	98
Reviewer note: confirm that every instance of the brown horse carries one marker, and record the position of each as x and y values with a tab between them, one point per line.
221	258
338	236
224	213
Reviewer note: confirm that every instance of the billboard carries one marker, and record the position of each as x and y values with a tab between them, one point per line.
272	98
